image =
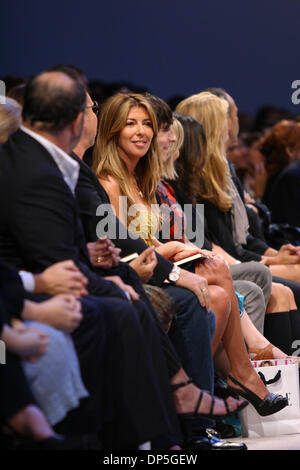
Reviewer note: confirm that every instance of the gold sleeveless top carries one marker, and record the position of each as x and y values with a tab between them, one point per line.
142	222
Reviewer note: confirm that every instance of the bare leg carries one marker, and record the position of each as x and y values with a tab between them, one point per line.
281	299
221	306
233	339
255	340
286	271
186	398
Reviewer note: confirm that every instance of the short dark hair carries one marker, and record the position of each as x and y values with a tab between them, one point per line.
163	112
54	104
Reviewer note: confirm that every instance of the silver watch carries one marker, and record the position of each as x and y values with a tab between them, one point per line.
174	274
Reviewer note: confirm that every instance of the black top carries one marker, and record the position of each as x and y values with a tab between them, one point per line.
218	227
282	195
40	222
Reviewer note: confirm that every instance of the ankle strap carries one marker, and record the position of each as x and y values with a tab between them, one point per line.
181	384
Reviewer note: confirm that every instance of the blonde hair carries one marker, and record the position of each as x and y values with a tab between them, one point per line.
169	170
211	111
106	160
10	118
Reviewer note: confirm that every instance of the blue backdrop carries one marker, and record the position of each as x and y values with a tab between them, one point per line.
248	47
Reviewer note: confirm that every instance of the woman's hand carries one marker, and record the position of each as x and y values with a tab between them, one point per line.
196	284
174	251
28	342
62	312
145	264
61	278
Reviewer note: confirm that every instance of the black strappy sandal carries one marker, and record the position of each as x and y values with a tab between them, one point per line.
210	414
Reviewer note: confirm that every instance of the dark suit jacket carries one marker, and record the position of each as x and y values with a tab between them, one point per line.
40	223
282	196
90	194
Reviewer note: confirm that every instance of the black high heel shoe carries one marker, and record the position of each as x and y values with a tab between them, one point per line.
271	404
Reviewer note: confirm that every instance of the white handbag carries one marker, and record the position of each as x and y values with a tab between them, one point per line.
280	376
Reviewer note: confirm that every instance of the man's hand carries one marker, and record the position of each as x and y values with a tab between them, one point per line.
125	287
196	284
61	278
287	254
291	249
103	253
145	264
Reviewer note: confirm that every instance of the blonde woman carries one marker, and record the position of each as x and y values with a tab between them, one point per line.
225	213
10	118
220	196
190	158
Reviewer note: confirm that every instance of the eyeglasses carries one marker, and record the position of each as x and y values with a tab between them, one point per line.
95	107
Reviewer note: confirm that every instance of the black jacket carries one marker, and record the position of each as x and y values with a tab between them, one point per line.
40	222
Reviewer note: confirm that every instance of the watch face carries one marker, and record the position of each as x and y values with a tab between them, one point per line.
174	276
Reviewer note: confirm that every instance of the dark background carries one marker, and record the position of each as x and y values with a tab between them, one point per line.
248	47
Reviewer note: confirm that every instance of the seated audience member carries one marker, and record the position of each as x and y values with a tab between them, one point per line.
251	280
17	93
53	113
127	164
91	196
29	408
281	150
190	134
188	171
10	118
224	209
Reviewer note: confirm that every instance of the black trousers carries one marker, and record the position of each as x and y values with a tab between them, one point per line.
124	369
129	276
15	393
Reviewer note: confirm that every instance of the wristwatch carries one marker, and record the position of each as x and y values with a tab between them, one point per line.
174	274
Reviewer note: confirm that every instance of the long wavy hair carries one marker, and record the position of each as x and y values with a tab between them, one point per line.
192	157
106	159
211	111
169	171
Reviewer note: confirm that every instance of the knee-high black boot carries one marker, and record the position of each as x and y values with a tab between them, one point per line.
277	329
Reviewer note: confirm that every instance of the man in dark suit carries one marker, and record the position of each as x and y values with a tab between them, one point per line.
117	342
